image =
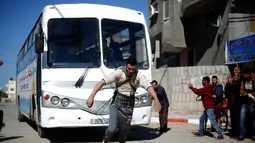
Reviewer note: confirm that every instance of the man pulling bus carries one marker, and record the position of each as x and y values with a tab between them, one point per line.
127	80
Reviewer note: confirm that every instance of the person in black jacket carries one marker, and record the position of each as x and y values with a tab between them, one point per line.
247	104
232	90
218	92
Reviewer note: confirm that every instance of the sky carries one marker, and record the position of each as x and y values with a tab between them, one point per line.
19	16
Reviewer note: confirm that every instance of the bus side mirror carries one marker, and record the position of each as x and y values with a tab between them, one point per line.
153	44
38	44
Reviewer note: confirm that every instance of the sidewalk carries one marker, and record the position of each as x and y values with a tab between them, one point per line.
178	118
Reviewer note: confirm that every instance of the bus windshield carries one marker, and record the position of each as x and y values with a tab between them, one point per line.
122	39
73	42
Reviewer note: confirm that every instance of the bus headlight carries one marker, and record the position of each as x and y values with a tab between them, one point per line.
65	102
136	101
143	99
54	100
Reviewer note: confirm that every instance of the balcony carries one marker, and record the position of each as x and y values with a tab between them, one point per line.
191	8
243	6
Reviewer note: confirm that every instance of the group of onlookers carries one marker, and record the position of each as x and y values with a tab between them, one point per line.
239	93
236	97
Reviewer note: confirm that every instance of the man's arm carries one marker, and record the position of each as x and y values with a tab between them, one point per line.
155	98
226	90
200	91
152	93
98	86
145	83
107	80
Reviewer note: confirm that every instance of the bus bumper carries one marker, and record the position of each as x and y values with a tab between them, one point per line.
70	118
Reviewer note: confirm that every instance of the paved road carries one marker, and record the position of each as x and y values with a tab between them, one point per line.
16	132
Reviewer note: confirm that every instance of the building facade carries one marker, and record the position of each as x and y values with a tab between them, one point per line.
11	89
191	37
194	32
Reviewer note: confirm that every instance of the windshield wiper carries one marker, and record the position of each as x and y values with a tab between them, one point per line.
92	63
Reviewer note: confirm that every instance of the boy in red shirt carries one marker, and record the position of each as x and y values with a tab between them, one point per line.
208	102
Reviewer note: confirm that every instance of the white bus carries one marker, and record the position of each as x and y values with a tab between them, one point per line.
70	48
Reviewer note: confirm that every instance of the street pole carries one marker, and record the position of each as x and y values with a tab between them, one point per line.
1	111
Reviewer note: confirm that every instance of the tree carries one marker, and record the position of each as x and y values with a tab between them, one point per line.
3	94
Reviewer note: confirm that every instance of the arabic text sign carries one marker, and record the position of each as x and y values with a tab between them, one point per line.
240	50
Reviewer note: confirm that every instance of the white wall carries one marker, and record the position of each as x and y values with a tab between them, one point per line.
176	80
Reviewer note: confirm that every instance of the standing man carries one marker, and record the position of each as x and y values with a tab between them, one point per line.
247	104
163	114
232	93
127	80
218	92
208	102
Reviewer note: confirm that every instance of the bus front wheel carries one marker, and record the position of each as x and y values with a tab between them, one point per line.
42	132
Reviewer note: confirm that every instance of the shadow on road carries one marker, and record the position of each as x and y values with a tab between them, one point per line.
210	134
3	138
31	124
96	134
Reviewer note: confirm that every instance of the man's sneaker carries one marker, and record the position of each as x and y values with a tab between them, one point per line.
220	137
163	130
253	138
197	134
240	139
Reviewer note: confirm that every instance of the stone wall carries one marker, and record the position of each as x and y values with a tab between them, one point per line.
176	80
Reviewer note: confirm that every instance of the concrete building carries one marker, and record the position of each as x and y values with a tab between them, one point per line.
11	89
191	37
194	32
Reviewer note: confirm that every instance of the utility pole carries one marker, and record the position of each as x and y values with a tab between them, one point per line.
1	111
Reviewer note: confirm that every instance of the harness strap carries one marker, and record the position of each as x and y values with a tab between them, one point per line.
132	78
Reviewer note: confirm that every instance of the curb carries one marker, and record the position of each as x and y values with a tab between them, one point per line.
179	120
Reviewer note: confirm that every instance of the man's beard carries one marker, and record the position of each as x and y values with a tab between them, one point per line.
214	83
129	74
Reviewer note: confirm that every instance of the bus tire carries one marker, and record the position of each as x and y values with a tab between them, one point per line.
41	132
224	120
21	117
33	112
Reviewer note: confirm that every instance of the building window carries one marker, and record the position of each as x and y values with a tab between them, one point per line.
12	89
166	9
191	57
